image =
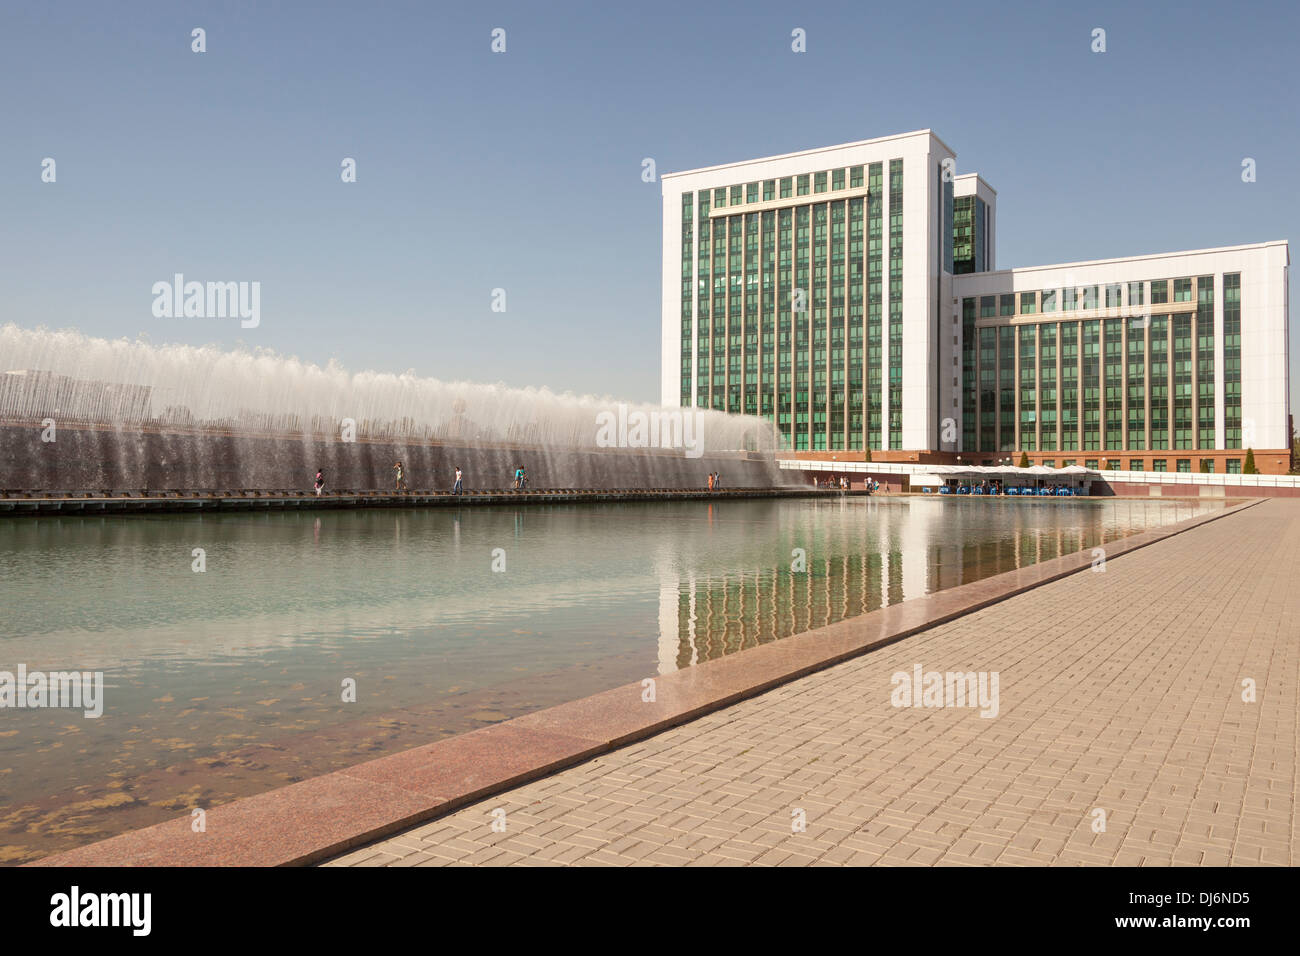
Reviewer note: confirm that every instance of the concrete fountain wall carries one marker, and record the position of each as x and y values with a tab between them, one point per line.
135	416
106	458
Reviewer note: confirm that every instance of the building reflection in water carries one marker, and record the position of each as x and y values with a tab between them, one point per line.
906	549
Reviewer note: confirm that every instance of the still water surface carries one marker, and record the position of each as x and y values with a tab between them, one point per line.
228	681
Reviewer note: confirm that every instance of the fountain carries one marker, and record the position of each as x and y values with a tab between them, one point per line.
85	413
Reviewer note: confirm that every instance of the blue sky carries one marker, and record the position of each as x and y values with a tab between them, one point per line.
522	170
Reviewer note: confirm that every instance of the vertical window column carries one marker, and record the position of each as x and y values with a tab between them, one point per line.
1204	335
1160	401
895	304
1027	360
988	394
1048	377
969	380
1090	384
1069	332
875	306
1135	385
857	316
1006	388
1182	363
1113	387
1232	360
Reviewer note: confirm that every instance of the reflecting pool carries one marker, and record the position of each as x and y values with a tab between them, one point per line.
225	641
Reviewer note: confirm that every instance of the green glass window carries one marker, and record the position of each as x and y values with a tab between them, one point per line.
1049	300
1159	291
1135	464
1047	393
855	177
1069	386
1232	360
787	186
1028	303
968	371
819	182
1007	304
1135	296
1185	466
769	190
1027	350
751	192
1182	290
837	179
1205	405
1006	388
1159	464
1182	368
719	197
802	185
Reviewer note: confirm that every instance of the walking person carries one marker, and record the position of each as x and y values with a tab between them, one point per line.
401	483
320	482
456	489
710	481
519	477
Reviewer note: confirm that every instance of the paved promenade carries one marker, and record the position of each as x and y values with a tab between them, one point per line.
1120	691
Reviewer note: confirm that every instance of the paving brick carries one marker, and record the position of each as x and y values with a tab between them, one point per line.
1119	691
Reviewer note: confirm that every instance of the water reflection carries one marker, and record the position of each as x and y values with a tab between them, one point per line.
224	683
866	554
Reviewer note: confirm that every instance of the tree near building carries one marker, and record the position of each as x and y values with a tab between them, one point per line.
1024	460
1249	468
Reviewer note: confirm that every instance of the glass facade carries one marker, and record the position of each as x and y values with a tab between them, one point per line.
1232	361
786	311
791	308
969	235
1205	362
895	304
1130	382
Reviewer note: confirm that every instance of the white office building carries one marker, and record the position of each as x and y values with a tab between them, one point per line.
851	295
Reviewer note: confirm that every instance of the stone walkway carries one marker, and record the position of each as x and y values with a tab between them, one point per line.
1120	691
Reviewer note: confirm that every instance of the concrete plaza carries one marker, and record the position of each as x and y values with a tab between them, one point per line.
1121	691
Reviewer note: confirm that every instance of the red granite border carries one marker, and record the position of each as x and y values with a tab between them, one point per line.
326	816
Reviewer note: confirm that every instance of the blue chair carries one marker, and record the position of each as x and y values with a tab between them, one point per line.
1013	491
945	490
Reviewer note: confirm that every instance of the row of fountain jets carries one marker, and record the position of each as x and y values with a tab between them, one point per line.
68	377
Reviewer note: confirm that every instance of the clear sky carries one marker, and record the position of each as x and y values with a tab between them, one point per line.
522	170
